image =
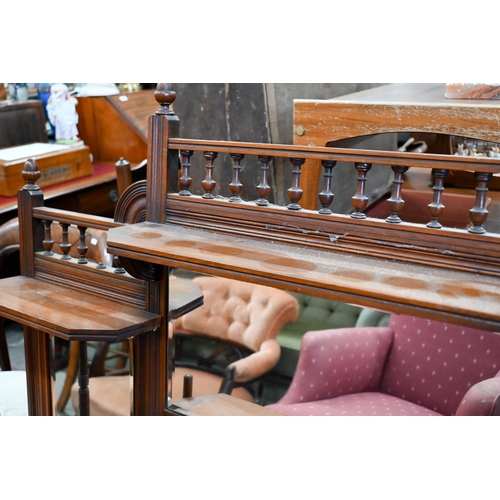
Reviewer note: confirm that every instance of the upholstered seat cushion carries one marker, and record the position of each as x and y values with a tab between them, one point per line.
360	404
111	395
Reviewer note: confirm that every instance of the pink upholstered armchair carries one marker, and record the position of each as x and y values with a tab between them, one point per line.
414	366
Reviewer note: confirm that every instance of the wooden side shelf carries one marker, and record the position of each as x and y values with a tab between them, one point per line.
71	314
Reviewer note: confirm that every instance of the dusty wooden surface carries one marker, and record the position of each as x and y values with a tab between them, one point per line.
420	108
395	108
221	405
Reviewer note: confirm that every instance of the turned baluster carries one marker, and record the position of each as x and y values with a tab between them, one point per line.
295	193
236	186
326	196
263	189
479	214
395	202
185	180
436	208
65	246
360	201
208	183
82	247
48	242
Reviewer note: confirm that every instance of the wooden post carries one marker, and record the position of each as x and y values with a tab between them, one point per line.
150	395
40	376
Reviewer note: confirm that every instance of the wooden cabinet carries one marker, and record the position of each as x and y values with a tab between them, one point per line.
116	126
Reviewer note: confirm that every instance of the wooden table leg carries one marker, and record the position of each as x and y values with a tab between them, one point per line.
40	376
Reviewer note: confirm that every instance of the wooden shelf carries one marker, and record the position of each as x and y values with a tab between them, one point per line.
459	297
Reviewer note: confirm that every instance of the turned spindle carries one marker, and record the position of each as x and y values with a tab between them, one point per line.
65	245
360	201
479	214
395	202
295	193
436	208
208	183
326	196
185	179
263	189
82	247
236	186
48	242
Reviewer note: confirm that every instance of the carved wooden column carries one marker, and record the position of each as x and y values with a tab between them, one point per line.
479	213
326	196
436	208
236	186
38	350
360	200
395	202
150	349
185	179
295	192
208	183
263	188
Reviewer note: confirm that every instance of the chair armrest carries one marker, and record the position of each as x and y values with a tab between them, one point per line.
339	361
481	399
257	363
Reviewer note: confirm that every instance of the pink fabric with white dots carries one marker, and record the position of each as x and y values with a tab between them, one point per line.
339	361
414	366
434	364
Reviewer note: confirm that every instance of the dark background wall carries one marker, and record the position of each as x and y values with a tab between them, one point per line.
263	112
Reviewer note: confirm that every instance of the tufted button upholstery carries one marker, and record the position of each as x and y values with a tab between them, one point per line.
242	314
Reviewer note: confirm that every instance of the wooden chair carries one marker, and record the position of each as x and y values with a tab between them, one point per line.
414	366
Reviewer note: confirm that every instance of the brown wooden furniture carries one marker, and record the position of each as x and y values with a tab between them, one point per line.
425	270
57	164
59	295
116	126
96	194
393	108
22	123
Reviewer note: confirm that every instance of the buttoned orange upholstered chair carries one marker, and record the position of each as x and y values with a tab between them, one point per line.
415	366
227	345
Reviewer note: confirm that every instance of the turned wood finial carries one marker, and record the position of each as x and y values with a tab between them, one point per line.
165	96
30	175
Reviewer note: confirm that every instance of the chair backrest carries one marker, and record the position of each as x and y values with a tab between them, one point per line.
433	364
242	313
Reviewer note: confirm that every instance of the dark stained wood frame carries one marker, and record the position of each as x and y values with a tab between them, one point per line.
440	273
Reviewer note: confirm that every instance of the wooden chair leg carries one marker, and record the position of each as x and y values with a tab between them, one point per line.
83	381
4	349
71	374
